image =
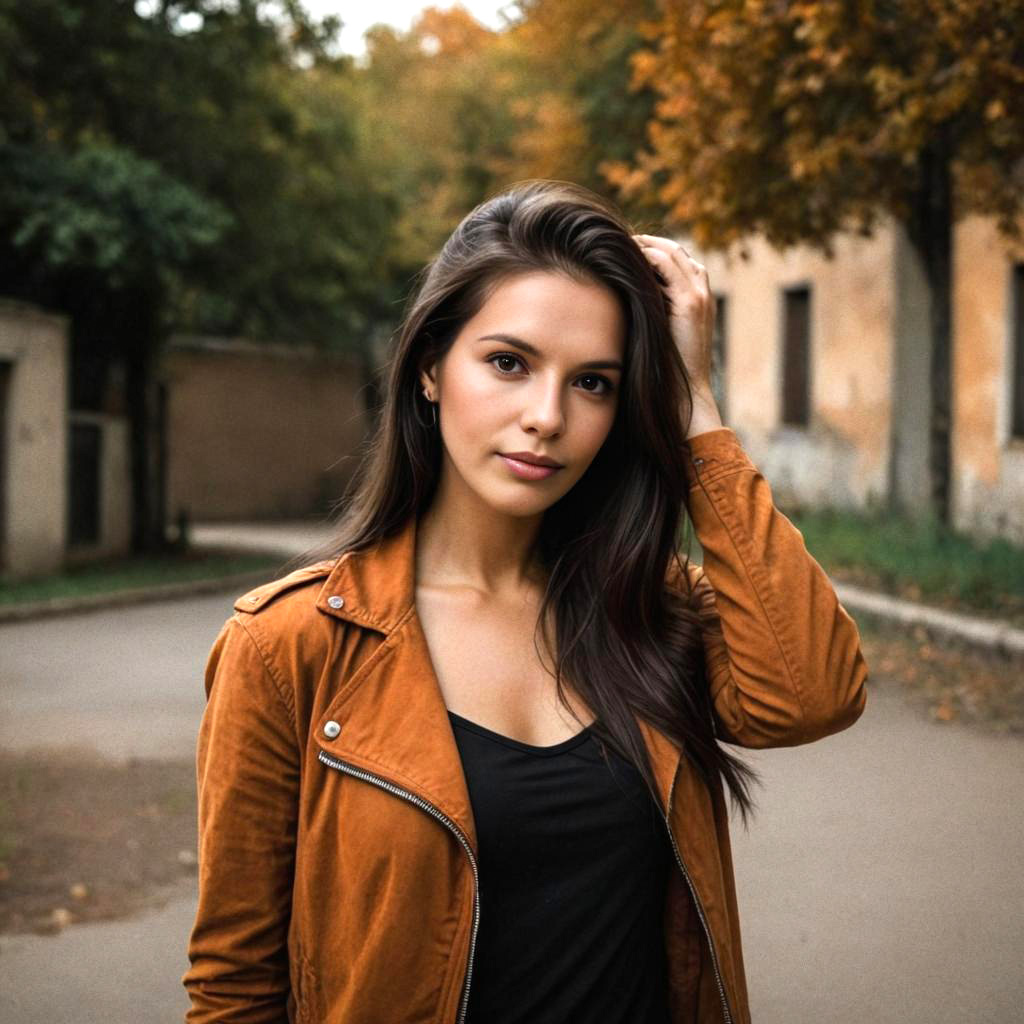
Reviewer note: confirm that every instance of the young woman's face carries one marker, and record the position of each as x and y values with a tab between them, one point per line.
536	371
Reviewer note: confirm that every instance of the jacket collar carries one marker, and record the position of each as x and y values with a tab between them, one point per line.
376	585
394	719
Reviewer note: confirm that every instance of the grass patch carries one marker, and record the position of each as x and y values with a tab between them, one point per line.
921	560
127	573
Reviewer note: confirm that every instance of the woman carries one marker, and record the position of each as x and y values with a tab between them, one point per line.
468	766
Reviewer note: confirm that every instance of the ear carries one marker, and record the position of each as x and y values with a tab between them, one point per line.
428	379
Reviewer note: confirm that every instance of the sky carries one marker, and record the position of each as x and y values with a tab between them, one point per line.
359	16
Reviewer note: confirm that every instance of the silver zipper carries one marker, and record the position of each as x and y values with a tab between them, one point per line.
697	904
359	773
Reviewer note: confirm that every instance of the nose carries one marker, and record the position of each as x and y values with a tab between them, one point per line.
543	413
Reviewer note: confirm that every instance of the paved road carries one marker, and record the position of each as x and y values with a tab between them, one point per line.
126	682
882	879
880	883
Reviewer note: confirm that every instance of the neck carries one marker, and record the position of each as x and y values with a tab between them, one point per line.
460	541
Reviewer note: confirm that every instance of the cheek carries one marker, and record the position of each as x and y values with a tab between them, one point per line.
596	426
472	403
475	395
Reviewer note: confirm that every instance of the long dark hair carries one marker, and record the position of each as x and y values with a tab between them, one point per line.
629	644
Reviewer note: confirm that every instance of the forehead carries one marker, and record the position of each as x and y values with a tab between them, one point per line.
552	309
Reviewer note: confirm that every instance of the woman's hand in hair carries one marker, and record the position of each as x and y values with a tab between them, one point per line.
692	319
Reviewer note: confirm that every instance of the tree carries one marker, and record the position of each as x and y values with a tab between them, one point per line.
435	100
797	120
574	116
106	232
194	166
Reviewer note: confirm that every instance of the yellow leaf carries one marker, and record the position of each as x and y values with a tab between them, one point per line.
995	110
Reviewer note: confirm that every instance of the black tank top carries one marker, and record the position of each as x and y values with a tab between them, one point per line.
573	862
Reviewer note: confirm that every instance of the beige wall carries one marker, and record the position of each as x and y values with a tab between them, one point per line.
257	432
989	478
35	459
842	457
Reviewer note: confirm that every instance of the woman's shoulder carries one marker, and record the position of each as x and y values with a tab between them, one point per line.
284	615
297	584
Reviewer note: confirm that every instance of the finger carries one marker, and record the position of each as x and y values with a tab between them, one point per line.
661	259
694	275
675	250
664	244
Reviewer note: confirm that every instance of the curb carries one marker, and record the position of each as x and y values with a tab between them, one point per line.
971	629
131	595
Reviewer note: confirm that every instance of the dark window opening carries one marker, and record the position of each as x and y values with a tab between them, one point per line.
84	497
796	348
1017	359
6	370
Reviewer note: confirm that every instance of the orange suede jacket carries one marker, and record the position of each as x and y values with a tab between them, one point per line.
338	873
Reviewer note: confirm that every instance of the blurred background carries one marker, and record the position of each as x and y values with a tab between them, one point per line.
211	214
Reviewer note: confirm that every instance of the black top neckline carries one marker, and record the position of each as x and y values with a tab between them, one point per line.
528	748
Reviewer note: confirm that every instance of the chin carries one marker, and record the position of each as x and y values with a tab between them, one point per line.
520	505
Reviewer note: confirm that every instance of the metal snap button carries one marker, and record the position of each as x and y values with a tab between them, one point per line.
336	602
331	729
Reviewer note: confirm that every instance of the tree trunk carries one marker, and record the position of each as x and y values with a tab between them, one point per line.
140	348
930	230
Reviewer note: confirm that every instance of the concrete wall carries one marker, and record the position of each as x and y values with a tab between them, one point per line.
34	517
989	464
258	432
841	458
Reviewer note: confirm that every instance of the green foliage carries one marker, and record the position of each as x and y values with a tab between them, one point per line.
434	105
102	209
917	554
212	147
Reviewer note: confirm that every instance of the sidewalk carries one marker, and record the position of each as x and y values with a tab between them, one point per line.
295	538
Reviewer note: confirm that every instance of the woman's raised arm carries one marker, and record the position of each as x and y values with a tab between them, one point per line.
784	660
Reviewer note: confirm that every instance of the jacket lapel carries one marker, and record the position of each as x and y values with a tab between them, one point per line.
394	722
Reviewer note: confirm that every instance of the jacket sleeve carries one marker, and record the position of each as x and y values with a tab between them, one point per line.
783	656
247	773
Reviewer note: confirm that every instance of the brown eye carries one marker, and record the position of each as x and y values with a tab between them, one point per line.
608	386
495	359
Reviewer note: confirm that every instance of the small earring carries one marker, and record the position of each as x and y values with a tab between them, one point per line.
433	407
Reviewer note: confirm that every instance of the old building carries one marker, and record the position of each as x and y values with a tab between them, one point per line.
251	431
823	369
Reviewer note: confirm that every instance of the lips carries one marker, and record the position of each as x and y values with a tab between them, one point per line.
533	460
527	470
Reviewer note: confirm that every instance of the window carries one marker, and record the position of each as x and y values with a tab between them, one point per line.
796	322
1017	354
719	353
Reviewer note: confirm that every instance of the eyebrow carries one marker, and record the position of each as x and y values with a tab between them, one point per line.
509	339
